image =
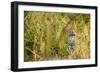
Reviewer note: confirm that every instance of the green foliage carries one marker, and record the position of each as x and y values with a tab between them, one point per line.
45	34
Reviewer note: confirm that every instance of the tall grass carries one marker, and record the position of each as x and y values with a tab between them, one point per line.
46	36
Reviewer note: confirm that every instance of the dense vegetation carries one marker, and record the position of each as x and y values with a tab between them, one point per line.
46	36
